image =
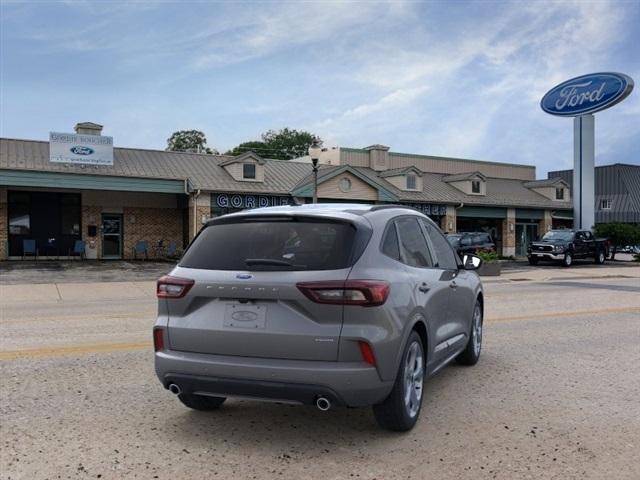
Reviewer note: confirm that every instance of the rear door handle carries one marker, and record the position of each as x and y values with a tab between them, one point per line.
453	285
424	288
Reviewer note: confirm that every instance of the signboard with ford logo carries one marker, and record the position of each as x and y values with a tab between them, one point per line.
80	149
587	94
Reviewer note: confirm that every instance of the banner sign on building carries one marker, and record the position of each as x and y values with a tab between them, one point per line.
224	200
80	149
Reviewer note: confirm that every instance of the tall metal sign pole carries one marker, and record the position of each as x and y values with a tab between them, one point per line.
580	97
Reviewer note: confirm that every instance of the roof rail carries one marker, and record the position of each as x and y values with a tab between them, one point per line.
375	208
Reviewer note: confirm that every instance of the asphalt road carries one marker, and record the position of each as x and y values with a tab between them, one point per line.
555	395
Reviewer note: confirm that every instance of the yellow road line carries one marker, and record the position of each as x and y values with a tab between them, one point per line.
564	314
74	349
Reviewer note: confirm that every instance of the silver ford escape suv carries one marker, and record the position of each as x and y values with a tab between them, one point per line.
326	304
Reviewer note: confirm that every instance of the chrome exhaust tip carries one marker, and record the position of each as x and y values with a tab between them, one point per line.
175	389
323	404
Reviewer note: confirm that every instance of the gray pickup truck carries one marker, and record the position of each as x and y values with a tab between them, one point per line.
566	245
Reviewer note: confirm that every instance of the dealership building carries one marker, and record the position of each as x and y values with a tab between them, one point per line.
78	187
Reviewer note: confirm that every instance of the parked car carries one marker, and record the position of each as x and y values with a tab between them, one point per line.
566	245
351	305
471	242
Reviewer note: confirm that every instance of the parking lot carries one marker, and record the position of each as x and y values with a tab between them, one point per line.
555	394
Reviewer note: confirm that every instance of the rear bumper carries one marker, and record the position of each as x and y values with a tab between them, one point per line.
344	383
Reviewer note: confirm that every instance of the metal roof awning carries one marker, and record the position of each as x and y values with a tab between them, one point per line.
29	178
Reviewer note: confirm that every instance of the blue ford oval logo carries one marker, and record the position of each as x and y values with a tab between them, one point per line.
244	276
79	150
587	94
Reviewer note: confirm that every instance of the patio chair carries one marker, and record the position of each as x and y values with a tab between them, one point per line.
172	250
29	248
78	249
141	248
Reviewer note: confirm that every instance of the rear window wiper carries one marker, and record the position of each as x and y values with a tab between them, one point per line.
268	261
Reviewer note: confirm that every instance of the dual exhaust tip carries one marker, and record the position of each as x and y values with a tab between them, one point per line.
322	403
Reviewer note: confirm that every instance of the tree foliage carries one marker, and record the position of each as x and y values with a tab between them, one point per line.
619	234
188	141
283	144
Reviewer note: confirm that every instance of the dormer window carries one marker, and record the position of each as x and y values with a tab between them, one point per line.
249	171
475	186
560	193
411	182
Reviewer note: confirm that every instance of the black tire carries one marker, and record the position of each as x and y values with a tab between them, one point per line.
393	413
567	261
600	257
201	402
533	261
471	353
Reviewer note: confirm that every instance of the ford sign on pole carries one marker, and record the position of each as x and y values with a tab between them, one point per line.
80	149
580	97
587	94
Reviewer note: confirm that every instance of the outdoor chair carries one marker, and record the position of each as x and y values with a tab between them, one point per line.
78	249
141	248
158	249
172	250
29	248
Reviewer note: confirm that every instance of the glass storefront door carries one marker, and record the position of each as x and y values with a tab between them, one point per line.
111	235
525	233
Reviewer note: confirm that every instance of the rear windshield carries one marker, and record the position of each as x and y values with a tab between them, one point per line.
273	246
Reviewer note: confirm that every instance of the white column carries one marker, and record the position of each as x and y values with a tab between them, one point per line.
583	172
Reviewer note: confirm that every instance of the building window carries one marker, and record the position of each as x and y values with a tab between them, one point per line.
19	213
605	204
411	182
475	186
559	193
344	185
249	170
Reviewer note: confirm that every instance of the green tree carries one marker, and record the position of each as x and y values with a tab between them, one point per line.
619	234
188	141
255	146
283	144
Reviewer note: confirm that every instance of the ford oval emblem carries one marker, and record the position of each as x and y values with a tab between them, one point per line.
244	276
244	316
79	150
587	94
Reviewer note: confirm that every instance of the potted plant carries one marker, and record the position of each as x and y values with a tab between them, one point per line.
490	266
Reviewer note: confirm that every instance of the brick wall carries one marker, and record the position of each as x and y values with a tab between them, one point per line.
509	233
152	225
546	223
202	206
448	222
4	225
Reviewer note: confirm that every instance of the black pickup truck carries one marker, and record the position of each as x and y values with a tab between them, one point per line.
566	245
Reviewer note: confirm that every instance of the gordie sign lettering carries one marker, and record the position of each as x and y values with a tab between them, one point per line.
587	94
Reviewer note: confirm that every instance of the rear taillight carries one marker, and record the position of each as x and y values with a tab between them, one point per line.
367	293
173	287
158	339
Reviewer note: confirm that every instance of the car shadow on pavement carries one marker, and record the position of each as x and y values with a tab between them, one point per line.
280	427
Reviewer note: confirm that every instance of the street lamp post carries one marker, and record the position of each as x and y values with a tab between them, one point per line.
314	153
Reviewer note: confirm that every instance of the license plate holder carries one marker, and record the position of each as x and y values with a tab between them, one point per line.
245	315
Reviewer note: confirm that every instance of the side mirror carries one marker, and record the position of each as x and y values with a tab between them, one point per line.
471	262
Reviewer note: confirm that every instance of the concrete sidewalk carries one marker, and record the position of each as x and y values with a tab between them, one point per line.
33	294
85	271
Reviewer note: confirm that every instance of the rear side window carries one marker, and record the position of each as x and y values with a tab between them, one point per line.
390	246
415	251
445	254
273	246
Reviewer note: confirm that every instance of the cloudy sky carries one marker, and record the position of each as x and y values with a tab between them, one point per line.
449	78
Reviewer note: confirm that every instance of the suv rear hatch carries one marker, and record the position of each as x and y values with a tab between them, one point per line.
244	299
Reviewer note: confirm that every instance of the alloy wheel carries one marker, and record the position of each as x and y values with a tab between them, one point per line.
413	379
